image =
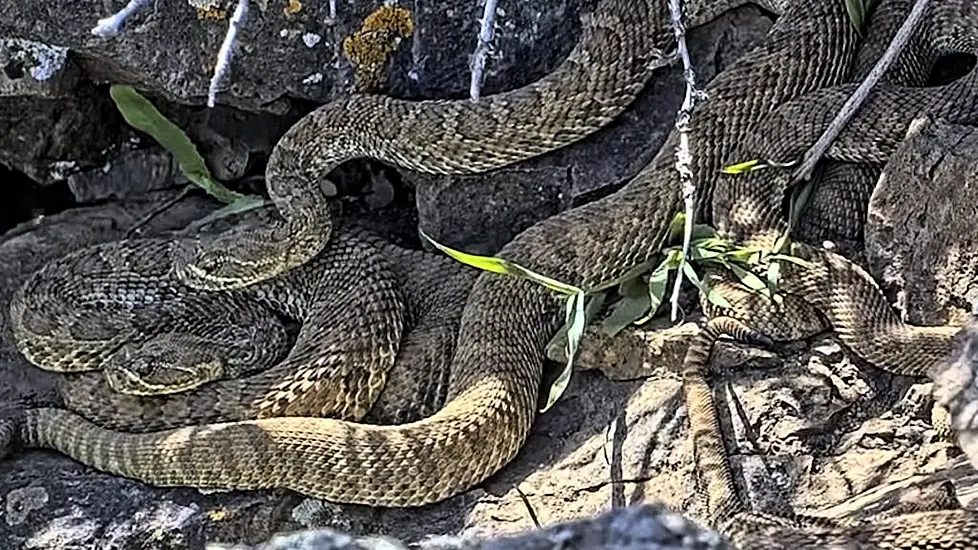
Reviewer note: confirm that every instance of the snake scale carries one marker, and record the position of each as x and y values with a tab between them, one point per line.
497	364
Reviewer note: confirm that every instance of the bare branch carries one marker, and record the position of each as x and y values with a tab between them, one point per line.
227	49
813	155
482	48
683	156
110	26
331	16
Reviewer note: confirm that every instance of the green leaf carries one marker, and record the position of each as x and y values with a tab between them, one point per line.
800	197
748	279
704	254
632	306
674	258
773	275
575	322
575	318
714	296
557	346
656	290
711	294
140	113
743	167
801	194
857	14
677	227
750	256
710	243
787	258
658	281
243	204
632	273
504	267
783	240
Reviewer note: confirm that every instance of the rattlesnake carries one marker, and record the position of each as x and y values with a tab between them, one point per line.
124	292
120	309
505	325
610	65
748	208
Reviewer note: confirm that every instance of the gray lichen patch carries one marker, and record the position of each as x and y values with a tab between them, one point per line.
208	4
72	528
21	502
21	57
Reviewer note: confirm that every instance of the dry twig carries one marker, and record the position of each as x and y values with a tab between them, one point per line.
226	51
482	48
817	151
683	156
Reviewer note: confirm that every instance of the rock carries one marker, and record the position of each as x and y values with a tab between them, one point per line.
21	502
633	528
922	230
946	487
651	527
25	200
131	174
485	211
52	122
230	141
89	136
56	118
56	505
465	210
613	440
956	387
767	479
169	48
36	69
632	353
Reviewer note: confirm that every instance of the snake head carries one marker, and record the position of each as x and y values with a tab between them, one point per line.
163	365
241	257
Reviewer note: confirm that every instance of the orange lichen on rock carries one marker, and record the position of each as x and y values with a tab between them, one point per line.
211	14
292	7
210	9
369	49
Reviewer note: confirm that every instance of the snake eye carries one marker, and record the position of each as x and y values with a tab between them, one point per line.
209	264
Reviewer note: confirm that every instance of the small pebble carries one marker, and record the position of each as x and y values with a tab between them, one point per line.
311	39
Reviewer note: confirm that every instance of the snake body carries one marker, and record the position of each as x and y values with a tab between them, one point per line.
330	371
496	370
749	208
334	369
117	300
